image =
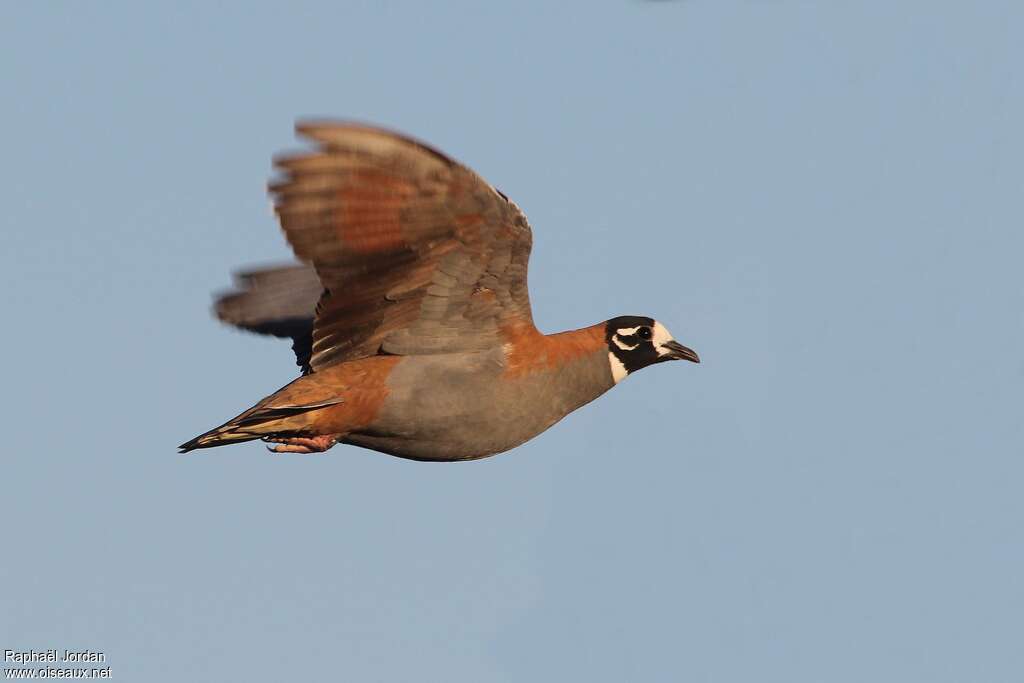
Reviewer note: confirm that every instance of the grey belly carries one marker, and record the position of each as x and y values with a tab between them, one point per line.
458	407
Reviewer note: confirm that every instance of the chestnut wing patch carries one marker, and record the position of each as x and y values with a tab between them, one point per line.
415	252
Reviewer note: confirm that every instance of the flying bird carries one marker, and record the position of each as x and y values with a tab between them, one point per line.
409	313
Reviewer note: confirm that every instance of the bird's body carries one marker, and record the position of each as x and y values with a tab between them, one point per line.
412	324
449	406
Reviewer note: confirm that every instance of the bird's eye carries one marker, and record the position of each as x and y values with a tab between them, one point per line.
644	333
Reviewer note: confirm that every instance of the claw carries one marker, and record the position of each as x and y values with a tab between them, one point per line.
299	444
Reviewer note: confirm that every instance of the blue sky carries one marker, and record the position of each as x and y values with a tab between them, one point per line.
823	199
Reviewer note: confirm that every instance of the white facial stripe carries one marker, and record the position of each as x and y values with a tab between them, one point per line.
619	371
659	337
622	345
627	331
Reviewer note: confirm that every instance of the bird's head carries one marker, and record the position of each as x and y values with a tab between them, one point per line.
635	342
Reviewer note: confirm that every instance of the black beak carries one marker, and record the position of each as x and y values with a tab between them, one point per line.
679	352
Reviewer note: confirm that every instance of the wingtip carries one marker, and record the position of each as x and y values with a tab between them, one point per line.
308	126
324	129
332	132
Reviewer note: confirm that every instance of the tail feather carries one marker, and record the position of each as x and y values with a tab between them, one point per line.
253	424
216	437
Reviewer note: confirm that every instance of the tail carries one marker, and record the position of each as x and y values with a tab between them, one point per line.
253	424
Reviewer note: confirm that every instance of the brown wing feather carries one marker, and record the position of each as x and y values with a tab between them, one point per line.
417	254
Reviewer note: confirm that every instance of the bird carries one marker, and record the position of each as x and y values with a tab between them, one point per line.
409	313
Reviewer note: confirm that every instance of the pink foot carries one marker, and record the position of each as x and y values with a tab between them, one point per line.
300	444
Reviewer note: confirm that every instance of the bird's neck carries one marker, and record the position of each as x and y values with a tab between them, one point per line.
574	365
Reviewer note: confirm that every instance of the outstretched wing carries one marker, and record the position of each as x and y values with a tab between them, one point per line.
279	301
416	253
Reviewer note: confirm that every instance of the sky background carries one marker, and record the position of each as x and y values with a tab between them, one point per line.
822	198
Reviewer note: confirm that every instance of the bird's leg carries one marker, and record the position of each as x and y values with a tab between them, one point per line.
301	444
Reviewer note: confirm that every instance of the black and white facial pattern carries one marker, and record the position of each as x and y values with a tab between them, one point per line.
635	342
